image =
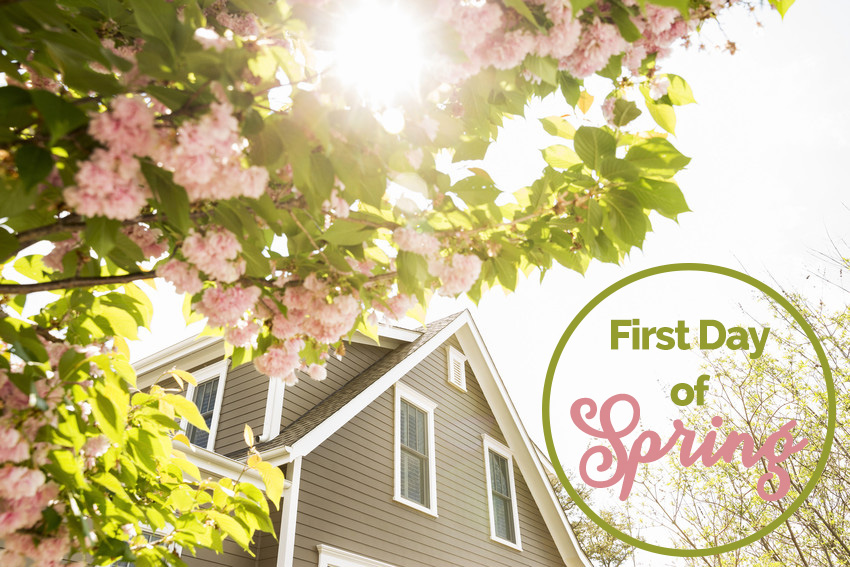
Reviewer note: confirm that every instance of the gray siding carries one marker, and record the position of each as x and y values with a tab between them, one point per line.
233	556
347	488
307	393
244	401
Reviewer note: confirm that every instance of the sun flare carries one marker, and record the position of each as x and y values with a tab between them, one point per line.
379	50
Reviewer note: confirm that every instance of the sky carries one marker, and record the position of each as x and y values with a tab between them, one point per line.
767	187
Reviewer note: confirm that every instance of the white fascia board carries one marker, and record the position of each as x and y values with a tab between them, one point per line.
389	337
328	427
221	466
289	517
518	440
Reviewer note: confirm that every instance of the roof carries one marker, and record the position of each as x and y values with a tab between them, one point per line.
306	433
328	407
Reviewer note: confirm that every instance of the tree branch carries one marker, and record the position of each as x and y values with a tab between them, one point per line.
70	283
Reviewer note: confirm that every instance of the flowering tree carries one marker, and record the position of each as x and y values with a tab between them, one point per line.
234	149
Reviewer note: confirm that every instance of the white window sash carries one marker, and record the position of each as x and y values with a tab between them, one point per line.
217	370
490	444
414	398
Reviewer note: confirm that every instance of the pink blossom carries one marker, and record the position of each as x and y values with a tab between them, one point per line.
24	512
336	204
284	328
244	334
13	449
317	372
148	239
127	128
280	362
658	86
19	482
226	305
508	50
53	260
410	240
244	25
55	350
11	396
108	184
659	18
563	36
96	446
608	110
183	276
457	274
397	306
215	253
598	43
48	552
364	267
332	320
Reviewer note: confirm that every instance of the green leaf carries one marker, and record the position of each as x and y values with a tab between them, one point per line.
186	409
679	91
560	156
100	234
782	5
544	67
613	68
624	112
506	271
475	190
662	196
622	18
412	273
157	19
273	479
615	168
681	5
594	144
663	114
34	163
570	88
8	245
523	10
558	126
625	219
347	233
172	198
657	157
60	116
579	5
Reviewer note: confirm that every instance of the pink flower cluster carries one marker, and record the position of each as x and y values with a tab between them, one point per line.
184	277
24	549
396	307
457	273
280	362
410	240
53	260
309	311
216	253
226	305
13	448
206	159
492	35
148	239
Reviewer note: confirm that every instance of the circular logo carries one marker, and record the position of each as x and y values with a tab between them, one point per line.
682	399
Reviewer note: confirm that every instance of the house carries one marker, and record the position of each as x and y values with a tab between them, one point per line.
409	454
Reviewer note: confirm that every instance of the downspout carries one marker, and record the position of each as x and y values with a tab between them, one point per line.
288	517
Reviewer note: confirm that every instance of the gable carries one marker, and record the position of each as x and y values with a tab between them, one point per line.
346	495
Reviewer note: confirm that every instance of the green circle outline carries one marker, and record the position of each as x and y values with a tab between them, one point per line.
690	267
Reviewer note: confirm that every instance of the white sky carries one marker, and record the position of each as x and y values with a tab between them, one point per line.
766	186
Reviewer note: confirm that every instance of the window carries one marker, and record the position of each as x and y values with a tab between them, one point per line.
333	557
456	368
501	493
207	395
415	464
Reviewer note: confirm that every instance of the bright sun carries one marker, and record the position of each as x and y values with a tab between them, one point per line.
379	50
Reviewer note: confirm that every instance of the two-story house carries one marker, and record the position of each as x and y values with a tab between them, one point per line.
409	454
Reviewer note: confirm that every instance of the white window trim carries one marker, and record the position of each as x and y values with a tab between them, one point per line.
333	557
274	410
453	354
403	392
219	370
491	444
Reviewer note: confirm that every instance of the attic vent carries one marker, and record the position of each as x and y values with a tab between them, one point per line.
456	368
